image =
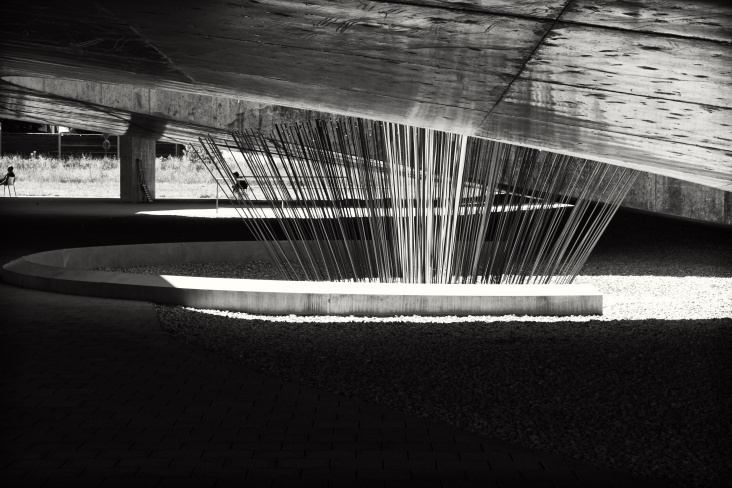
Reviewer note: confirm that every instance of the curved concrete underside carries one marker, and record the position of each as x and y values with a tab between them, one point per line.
71	271
643	84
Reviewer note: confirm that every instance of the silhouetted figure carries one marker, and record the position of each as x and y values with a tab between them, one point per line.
9	174
239	187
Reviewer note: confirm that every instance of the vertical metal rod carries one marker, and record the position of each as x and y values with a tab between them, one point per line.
376	201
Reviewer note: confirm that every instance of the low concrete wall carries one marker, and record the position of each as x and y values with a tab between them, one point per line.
71	271
670	196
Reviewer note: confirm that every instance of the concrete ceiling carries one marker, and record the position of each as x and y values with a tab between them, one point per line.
643	83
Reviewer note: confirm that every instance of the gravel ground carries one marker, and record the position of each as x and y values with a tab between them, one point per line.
644	388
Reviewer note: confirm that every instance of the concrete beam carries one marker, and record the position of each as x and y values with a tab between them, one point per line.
208	112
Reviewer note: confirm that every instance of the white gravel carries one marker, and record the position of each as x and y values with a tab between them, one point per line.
624	297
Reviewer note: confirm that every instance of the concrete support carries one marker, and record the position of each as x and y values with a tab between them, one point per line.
131	150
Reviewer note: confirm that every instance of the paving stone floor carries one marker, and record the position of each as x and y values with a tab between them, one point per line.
93	393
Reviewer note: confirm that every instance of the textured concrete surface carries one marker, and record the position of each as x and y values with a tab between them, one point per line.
136	154
93	393
671	196
642	84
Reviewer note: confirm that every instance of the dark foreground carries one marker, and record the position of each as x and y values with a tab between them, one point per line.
95	394
644	388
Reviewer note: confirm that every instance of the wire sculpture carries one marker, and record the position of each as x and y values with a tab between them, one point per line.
361	200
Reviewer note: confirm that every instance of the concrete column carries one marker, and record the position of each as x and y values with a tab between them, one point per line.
132	149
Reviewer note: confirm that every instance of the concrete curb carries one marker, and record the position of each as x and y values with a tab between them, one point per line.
71	271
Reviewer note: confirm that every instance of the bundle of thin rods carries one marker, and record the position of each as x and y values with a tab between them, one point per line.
357	200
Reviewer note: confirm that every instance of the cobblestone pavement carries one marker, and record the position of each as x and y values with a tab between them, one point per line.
93	393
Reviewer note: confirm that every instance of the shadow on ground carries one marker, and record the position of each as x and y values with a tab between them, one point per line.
650	396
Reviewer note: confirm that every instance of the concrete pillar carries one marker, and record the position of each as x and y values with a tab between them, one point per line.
132	149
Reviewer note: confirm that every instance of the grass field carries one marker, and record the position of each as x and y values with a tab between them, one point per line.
83	177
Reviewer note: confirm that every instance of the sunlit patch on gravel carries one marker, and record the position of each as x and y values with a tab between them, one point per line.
662	297
624	297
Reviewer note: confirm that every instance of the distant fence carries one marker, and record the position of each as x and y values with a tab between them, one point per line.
68	144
